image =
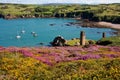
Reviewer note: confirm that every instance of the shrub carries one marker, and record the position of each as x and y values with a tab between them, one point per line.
112	41
104	42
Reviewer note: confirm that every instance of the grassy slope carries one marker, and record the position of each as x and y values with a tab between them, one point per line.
100	10
16	9
115	40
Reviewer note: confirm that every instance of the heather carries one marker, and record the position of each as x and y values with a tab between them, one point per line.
91	62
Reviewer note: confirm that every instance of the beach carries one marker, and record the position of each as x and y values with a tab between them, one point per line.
109	25
100	24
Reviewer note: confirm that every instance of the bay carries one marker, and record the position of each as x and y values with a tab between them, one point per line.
46	29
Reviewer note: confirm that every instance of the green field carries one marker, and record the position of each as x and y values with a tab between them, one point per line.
101	12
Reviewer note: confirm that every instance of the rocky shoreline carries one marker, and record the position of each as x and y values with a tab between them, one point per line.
81	22
93	24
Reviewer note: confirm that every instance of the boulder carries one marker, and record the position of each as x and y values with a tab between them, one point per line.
58	41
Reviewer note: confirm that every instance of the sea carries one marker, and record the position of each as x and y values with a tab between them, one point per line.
41	31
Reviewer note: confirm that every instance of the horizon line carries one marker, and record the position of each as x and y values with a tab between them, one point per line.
55	3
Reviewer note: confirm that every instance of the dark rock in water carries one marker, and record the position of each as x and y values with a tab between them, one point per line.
113	33
52	24
41	43
72	23
68	24
98	32
58	41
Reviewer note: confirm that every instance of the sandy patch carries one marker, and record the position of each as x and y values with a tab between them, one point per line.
109	25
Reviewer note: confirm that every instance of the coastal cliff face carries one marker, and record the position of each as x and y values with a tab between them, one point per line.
82	15
9	16
1	16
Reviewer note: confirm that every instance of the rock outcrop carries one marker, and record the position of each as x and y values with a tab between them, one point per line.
58	41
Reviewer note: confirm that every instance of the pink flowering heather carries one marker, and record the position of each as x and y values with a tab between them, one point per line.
26	53
53	55
116	49
2	49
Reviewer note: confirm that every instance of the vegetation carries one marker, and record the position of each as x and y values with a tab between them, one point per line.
76	42
102	12
108	41
60	63
112	41
73	42
93	62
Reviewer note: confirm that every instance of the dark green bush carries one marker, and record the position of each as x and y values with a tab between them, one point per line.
104	42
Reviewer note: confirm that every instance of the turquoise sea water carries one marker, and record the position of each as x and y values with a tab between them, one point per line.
46	33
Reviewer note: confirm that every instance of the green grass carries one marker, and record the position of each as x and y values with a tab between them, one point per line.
114	41
76	42
72	42
99	10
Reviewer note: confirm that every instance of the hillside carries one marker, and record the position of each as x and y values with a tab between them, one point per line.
101	12
96	60
70	63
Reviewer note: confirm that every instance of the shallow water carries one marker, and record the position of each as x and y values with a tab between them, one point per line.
45	32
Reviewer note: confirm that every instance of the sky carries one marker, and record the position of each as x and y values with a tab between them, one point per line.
60	1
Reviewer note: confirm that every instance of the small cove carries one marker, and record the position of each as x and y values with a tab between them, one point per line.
46	32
